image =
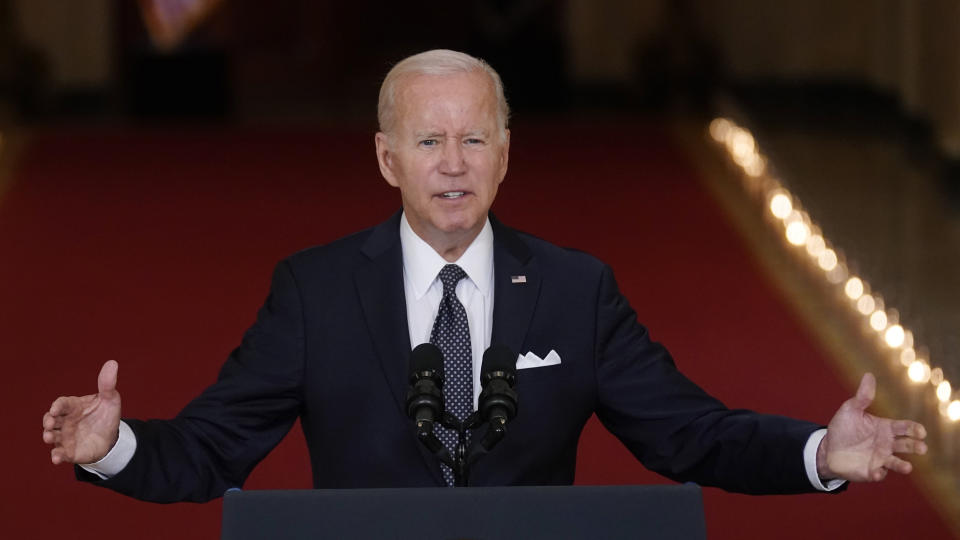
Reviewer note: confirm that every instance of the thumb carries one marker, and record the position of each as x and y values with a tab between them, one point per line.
866	392
107	380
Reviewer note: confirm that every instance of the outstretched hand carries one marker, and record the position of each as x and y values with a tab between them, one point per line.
83	429
860	447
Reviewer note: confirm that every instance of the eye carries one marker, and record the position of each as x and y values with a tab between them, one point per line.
428	142
472	141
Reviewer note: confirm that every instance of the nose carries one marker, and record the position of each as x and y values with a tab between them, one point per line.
452	162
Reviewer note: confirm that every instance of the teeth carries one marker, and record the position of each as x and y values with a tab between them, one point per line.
453	194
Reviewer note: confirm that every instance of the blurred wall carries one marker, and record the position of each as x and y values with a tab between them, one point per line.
906	47
75	37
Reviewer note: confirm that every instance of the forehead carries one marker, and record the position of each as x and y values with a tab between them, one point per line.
456	99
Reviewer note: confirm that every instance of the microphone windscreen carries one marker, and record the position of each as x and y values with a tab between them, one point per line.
426	357
498	358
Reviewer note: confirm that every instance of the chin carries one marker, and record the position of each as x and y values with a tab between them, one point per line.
455	227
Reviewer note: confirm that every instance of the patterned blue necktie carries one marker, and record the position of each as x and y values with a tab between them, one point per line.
451	334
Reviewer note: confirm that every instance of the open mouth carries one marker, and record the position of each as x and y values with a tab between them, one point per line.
453	194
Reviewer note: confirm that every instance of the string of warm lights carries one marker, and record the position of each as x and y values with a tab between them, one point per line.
799	231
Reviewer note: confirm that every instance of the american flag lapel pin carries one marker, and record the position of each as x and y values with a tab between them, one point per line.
518	279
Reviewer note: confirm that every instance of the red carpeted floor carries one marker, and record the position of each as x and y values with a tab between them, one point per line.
154	247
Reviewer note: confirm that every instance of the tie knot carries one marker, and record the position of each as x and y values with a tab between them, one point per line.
450	275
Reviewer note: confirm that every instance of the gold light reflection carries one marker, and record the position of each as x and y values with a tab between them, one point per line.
944	391
719	128
936	376
800	230
838	275
781	206
797	233
854	288
756	166
741	143
878	320
894	336
919	371
827	260
907	356
866	304
953	410
816	245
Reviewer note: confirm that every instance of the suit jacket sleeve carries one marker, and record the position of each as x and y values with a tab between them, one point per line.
214	443
675	428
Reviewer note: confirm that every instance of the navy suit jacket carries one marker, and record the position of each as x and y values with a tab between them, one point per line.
331	346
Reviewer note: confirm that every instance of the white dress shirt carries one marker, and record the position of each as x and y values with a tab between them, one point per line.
423	291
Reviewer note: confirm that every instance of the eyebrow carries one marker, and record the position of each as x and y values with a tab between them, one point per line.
434	133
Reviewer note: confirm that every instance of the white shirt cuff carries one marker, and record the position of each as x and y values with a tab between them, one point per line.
117	458
810	463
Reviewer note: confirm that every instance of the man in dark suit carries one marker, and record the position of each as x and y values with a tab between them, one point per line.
331	343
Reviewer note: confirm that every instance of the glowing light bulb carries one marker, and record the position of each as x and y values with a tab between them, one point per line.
747	159
854	288
781	206
742	143
894	336
755	166
907	356
816	245
827	260
719	128
878	320
953	410
797	233
936	376
795	215
837	275
865	304
919	372
944	391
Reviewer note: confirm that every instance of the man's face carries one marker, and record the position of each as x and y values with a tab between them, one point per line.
446	155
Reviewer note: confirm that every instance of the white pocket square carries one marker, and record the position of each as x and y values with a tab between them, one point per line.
530	360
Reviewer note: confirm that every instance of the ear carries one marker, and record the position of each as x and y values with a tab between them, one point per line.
504	155
385	158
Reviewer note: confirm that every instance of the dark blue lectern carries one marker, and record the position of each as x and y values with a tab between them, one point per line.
501	513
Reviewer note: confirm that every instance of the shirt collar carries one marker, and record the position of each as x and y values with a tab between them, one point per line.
422	264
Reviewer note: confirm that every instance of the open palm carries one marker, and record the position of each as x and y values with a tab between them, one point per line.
83	429
861	447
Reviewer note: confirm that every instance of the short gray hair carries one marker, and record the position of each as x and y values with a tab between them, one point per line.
436	62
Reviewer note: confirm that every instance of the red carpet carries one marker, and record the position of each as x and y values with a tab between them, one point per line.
155	248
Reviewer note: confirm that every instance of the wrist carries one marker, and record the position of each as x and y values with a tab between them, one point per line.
823	470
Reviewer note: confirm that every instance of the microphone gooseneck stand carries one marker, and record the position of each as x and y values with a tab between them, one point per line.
497	406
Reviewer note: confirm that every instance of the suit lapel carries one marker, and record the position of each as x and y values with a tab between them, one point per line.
516	287
380	288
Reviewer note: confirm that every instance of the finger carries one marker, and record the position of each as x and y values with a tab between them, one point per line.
898	465
107	380
878	474
52	422
908	428
905	445
61	406
866	392
58	455
51	437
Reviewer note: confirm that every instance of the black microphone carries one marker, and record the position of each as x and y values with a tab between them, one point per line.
425	395
498	373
